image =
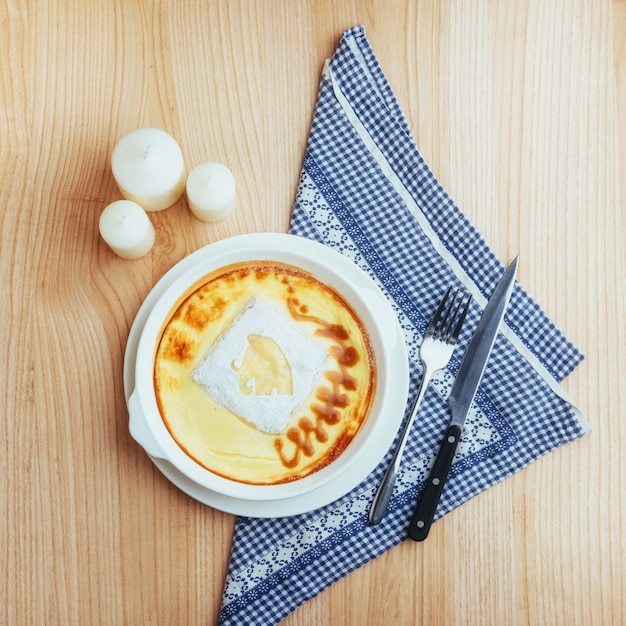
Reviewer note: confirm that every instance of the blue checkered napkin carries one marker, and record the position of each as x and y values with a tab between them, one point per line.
366	191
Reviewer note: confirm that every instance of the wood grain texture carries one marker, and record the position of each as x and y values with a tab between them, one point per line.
518	107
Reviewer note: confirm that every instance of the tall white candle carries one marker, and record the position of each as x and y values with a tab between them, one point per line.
148	167
211	191
126	227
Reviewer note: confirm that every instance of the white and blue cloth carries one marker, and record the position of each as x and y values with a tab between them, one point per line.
366	191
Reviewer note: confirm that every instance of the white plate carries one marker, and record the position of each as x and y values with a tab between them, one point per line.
349	479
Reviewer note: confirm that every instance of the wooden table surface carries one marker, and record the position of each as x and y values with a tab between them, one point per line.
519	107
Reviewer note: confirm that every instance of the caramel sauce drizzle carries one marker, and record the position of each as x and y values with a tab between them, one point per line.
330	399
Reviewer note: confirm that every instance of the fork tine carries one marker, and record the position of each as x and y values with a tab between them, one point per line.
457	329
449	317
450	321
439	314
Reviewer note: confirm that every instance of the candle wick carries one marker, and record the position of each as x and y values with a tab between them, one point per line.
145	154
208	178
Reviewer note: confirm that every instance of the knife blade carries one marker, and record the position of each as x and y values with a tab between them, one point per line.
460	399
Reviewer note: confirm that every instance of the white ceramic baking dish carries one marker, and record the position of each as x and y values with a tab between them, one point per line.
148	428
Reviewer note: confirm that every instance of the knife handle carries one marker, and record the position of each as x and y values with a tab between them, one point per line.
427	505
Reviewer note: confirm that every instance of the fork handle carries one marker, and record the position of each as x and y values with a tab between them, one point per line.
384	492
383	495
425	511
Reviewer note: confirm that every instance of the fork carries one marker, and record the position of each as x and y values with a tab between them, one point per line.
435	352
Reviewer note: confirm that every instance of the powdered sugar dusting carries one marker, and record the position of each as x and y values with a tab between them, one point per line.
262	367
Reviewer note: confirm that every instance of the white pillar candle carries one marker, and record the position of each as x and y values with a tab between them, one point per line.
148	167
211	191
126	227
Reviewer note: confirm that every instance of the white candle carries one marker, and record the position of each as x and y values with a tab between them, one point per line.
148	167
126	227
211	191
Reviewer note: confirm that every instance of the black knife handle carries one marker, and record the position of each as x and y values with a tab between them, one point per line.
427	505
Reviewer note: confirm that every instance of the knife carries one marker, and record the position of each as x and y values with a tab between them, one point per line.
460	399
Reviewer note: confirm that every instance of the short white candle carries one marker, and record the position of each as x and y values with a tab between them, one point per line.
148	167
211	191
126	227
